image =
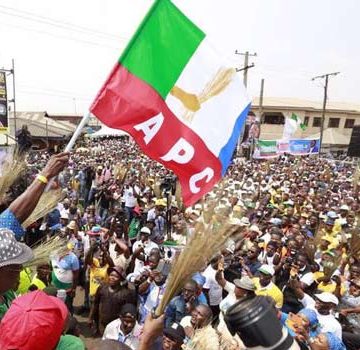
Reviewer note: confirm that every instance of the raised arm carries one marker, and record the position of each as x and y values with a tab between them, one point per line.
24	205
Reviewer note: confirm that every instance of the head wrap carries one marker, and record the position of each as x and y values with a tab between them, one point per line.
313	320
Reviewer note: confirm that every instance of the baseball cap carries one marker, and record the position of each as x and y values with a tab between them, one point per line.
175	332
118	270
145	230
327	297
35	321
245	283
332	215
345	207
267	270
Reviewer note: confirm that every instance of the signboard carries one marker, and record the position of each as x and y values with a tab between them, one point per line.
354	146
3	105
274	148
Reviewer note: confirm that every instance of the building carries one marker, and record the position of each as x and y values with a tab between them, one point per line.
44	131
339	120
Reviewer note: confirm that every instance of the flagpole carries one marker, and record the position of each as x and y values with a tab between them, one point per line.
77	132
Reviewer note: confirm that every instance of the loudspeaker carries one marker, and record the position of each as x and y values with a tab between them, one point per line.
354	146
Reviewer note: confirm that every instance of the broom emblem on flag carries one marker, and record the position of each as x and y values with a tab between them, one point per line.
192	102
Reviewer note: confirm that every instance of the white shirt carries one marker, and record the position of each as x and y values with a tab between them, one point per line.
230	299
130	199
215	290
328	323
114	332
148	247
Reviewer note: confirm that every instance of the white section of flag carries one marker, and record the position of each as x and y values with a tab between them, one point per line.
215	121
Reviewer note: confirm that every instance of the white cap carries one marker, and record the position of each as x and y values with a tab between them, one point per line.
254	228
145	230
244	221
344	207
327	297
267	270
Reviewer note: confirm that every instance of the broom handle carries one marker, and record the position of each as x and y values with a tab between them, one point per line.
72	141
77	132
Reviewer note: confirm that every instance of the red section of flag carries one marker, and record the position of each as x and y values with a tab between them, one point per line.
125	102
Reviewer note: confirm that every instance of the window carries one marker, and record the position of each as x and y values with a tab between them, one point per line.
334	122
349	123
306	121
274	118
317	122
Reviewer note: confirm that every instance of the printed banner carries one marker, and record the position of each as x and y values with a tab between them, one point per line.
3	105
274	148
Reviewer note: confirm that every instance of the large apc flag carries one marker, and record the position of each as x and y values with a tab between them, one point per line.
181	102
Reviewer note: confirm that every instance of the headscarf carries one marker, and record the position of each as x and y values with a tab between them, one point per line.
313	320
334	343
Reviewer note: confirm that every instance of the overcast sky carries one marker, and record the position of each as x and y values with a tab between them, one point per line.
63	50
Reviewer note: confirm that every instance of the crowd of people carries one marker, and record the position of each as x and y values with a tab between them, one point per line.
296	243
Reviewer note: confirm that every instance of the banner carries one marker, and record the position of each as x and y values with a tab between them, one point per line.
274	148
3	104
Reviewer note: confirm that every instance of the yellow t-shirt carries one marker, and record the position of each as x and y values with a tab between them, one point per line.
271	290
25	281
98	276
38	283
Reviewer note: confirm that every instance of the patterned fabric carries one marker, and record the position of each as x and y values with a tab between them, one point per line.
8	220
9	247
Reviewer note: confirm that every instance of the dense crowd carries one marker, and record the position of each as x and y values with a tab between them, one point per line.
296	243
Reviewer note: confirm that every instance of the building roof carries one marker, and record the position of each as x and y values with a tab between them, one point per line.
296	103
40	126
331	137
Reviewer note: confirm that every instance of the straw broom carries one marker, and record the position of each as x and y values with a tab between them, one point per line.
202	246
11	168
43	251
48	202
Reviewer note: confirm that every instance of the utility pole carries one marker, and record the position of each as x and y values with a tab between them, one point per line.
245	70
261	99
326	77
246	64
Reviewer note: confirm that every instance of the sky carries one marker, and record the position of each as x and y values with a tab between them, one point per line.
64	50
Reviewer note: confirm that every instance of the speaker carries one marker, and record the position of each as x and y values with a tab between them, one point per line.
354	146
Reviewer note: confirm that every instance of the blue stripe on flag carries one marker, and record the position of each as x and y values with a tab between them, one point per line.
227	151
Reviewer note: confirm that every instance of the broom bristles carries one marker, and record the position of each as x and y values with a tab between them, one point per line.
11	167
48	202
201	248
44	250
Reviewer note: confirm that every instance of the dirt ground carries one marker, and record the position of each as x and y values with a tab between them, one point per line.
90	342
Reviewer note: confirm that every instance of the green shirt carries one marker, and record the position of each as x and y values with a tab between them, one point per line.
8	298
134	228
70	342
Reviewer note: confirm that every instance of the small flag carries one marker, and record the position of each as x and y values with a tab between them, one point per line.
291	125
181	102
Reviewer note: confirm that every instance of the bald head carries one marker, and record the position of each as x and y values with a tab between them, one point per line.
111	345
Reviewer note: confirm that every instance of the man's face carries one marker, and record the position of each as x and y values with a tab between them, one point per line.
169	344
323	308
264	279
301	262
127	323
9	277
199	317
252	253
189	292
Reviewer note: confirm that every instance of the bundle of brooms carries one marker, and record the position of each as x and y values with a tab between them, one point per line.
43	251
11	168
48	202
204	244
